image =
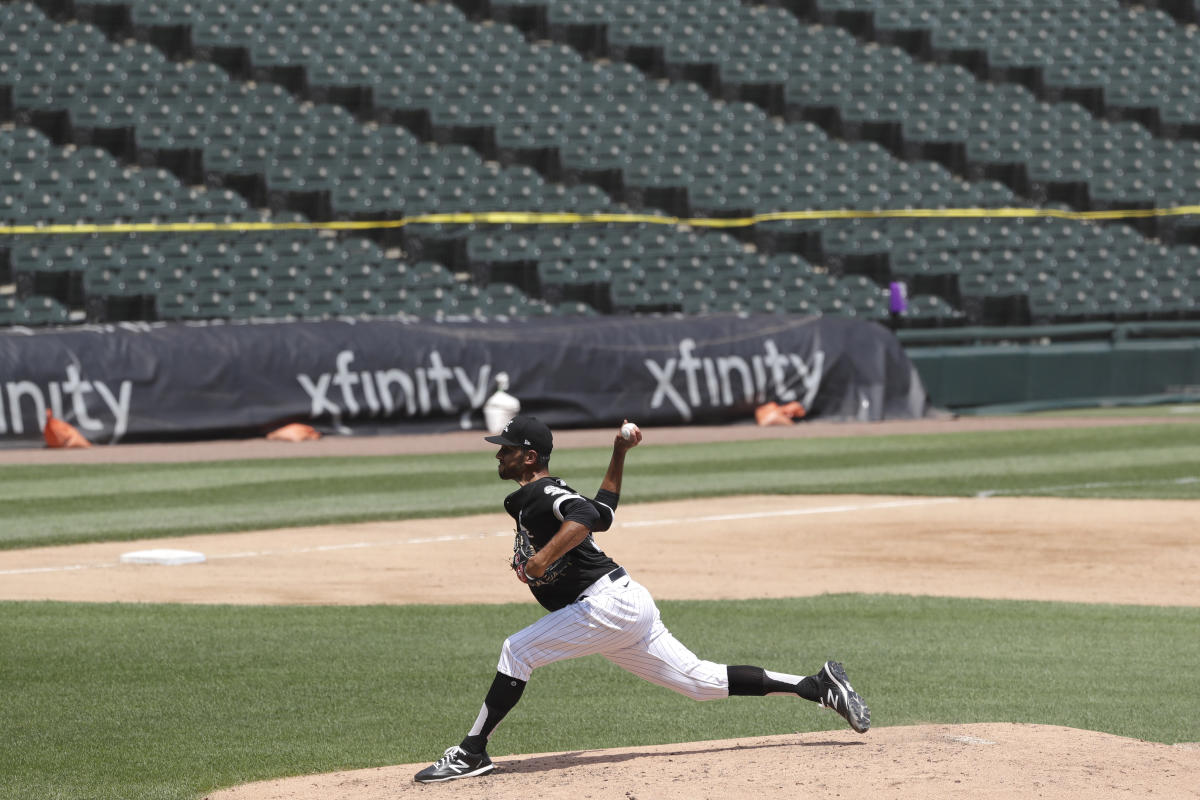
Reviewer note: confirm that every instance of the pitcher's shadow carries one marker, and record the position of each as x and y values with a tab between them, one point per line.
517	765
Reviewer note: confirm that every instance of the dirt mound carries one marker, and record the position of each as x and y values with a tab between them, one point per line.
928	762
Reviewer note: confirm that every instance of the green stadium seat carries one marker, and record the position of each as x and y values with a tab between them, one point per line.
33	311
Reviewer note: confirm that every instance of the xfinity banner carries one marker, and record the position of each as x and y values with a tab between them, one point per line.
170	381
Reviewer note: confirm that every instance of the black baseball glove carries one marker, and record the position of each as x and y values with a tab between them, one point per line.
523	550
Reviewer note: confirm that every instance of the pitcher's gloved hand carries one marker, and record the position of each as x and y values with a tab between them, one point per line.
523	550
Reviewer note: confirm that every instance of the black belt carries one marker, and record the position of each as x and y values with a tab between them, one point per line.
613	577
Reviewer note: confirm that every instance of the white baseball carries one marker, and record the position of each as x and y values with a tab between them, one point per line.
628	430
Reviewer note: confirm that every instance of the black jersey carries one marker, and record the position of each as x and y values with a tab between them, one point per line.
540	508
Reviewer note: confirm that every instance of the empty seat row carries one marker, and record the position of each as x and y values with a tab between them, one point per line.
929	110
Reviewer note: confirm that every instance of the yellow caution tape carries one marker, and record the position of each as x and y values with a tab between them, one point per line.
531	218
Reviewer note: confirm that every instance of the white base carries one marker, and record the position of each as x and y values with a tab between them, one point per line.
163	556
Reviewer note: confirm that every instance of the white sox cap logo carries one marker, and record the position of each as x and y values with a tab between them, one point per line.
527	442
524	431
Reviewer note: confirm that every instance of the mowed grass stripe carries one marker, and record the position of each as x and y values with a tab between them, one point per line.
52	505
972	472
220	513
75	481
855	453
348	483
149	490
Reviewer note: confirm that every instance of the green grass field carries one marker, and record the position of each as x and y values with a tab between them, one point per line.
109	702
42	505
162	701
1169	410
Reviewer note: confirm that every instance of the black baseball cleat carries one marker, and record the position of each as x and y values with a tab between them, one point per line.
455	763
838	694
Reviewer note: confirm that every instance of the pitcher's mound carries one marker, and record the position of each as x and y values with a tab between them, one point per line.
927	762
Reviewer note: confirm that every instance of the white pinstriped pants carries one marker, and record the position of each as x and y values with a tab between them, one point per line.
619	621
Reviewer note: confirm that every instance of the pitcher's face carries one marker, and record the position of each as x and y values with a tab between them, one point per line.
512	462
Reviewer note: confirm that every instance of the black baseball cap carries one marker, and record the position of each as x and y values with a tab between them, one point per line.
527	432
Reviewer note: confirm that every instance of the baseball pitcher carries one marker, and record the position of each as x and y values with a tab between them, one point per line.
596	607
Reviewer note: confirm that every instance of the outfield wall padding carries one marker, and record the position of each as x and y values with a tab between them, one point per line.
171	381
1065	374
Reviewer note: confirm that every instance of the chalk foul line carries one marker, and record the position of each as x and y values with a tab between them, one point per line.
793	512
1073	487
